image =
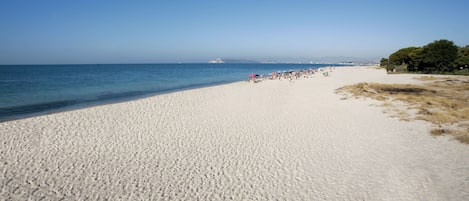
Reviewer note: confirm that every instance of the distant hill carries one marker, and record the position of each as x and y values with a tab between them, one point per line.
314	60
324	60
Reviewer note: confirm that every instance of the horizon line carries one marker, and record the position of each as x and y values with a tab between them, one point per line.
145	63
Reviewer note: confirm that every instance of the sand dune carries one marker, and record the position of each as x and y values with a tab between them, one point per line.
274	140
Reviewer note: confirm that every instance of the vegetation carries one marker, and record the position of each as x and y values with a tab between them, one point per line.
440	100
441	56
463	57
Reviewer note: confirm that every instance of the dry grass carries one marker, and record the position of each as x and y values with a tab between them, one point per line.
443	101
430	78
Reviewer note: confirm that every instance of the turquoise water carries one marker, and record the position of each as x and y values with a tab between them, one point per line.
28	90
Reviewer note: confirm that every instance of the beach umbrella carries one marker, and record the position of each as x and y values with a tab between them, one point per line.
252	75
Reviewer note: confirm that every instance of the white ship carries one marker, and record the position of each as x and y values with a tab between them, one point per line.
216	61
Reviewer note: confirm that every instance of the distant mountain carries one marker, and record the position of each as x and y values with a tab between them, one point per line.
345	60
313	60
324	60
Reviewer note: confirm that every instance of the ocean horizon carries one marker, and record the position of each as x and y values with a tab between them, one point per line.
32	90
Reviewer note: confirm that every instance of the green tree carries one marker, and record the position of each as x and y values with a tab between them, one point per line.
439	56
384	62
401	57
415	58
463	57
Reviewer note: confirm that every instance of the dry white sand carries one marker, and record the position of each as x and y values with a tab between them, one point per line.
275	140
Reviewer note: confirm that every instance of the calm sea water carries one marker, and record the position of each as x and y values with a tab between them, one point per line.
28	90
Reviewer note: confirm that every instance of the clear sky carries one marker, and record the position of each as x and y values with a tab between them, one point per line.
95	31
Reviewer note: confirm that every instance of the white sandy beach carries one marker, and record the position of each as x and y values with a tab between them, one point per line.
274	140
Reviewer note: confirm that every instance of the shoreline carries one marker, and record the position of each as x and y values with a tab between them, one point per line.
241	141
71	105
58	106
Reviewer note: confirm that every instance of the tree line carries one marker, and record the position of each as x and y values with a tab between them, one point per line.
441	56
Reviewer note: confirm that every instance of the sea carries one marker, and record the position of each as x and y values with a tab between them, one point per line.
31	90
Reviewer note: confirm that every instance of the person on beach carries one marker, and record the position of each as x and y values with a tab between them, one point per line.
253	77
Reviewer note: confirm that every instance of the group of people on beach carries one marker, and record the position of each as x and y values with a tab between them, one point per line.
290	75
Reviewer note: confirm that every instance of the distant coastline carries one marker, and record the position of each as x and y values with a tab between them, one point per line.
346	61
315	60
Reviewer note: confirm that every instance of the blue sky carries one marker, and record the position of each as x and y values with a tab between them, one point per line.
93	31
